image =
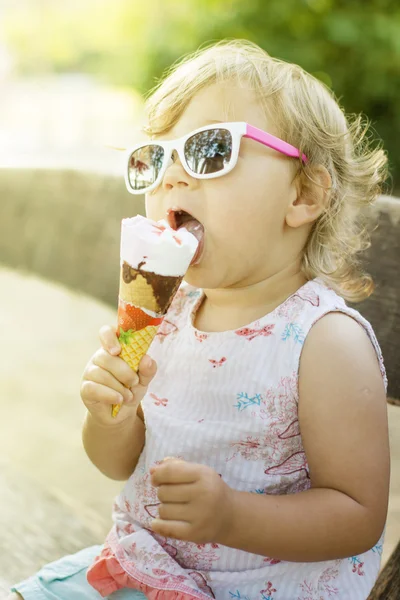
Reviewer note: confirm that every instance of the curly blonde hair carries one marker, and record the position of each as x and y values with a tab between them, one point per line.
309	117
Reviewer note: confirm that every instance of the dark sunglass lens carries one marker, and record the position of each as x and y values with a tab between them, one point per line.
208	151
144	166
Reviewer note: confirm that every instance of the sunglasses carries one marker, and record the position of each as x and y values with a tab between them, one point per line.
205	153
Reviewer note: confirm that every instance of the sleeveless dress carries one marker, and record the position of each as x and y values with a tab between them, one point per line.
227	400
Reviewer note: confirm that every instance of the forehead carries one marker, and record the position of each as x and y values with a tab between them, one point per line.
220	102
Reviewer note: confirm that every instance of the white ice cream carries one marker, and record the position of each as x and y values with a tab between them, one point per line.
157	246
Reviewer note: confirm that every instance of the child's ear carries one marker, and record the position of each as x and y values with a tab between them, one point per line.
313	192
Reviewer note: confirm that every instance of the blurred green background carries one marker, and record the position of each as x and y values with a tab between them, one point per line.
352	45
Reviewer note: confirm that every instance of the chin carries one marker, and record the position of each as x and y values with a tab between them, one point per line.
194	277
201	277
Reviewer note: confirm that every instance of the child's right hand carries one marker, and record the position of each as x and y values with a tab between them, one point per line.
108	379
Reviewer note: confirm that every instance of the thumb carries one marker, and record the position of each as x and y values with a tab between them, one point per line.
147	370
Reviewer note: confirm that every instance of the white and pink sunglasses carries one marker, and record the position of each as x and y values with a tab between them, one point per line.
207	152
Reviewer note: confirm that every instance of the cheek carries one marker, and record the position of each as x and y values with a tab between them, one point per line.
152	210
248	219
232	239
247	230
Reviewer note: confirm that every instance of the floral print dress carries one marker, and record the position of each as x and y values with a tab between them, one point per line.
227	400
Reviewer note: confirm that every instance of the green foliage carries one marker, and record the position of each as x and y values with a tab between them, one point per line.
352	45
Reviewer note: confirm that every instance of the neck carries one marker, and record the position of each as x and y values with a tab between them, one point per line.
237	306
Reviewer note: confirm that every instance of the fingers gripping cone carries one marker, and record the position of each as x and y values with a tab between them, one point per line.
136	339
134	345
154	259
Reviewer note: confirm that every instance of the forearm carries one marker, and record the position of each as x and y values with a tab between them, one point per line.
114	450
315	525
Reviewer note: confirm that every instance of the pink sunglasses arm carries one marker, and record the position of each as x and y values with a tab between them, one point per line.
273	142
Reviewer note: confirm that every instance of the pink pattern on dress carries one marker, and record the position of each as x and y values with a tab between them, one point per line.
268	591
251	333
107	575
291	431
179	303
188	554
280	446
200	337
145	508
152	509
308	295
271	561
262	427
159	401
295	463
357	565
202	583
295	304
167	328
164	578
325	585
217	363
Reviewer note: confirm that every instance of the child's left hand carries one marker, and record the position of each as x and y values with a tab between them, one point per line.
195	502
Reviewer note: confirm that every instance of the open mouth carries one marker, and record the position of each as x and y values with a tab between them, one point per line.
178	218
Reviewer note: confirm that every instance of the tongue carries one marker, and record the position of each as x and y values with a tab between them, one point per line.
195	228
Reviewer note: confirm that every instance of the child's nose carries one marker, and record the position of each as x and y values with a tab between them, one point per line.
174	158
175	175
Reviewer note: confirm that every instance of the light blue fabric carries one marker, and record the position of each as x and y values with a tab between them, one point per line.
65	579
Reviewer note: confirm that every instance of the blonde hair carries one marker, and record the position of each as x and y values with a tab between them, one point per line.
309	117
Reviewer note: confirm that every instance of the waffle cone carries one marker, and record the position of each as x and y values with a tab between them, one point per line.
139	293
134	345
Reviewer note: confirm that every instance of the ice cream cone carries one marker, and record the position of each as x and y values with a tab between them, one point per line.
153	259
138	292
134	345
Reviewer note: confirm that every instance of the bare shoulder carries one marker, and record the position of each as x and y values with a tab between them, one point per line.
339	366
334	325
342	340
